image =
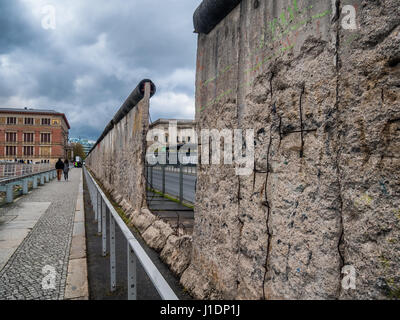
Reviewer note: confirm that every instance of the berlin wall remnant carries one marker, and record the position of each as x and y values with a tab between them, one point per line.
210	13
319	81
118	157
117	160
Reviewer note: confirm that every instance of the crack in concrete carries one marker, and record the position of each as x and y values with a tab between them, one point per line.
280	131
270	83
254	174
301	120
241	223
340	243
266	203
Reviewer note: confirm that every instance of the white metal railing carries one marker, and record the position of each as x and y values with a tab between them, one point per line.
7	184
101	205
8	170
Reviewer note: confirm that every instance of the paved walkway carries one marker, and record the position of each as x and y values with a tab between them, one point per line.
35	240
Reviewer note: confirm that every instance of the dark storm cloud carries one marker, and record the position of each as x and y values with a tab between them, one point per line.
95	57
15	30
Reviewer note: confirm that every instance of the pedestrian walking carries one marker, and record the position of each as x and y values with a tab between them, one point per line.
59	168
66	169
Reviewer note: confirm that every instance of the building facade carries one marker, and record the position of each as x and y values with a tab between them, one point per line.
33	135
177	136
185	130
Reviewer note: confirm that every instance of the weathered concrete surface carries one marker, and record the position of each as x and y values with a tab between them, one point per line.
142	219
77	284
177	252
157	234
78	249
118	160
174	245
77	287
324	104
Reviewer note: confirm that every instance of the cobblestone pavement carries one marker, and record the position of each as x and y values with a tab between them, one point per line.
27	274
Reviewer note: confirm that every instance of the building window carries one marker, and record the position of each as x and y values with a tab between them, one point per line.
11	150
29	121
28	137
11	137
28	150
45	151
188	139
11	120
45	137
45	121
166	138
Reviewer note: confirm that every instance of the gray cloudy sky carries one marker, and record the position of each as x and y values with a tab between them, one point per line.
96	56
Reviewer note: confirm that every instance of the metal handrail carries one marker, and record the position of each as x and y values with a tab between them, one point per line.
10	170
7	180
8	184
101	205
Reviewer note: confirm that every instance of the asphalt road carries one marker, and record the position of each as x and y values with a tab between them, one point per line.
172	184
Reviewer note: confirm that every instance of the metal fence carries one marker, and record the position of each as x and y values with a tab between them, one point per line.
7	184
8	170
102	207
175	180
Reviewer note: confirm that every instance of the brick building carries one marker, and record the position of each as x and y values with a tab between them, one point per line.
33	135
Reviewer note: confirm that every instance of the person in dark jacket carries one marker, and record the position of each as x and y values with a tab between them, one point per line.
60	168
66	169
